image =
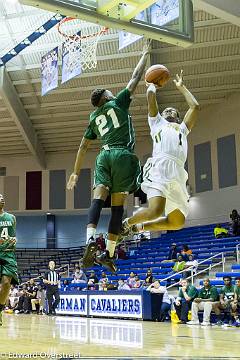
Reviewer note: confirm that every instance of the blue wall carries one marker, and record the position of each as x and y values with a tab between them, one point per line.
70	230
31	231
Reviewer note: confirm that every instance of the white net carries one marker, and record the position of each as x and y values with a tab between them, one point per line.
81	40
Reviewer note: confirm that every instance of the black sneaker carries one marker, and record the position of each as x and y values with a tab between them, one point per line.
89	254
105	260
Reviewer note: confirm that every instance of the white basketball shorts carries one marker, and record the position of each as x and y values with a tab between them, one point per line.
167	178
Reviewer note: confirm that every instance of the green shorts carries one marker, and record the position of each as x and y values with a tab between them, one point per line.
8	265
117	169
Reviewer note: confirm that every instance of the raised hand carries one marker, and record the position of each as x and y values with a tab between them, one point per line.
72	181
179	80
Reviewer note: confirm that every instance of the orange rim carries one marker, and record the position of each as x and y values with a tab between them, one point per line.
78	37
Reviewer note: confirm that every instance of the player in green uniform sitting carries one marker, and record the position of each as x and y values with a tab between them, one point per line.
117	168
8	264
236	302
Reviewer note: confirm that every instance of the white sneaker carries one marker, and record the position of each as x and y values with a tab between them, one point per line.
205	323
193	322
16	311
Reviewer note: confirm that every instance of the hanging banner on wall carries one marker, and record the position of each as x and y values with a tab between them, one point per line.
49	71
126	38
71	61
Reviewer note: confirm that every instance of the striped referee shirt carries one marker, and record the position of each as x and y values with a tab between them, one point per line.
53	276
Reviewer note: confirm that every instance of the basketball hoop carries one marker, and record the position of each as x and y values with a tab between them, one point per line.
81	40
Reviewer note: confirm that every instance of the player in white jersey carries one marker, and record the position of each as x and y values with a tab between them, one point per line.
164	176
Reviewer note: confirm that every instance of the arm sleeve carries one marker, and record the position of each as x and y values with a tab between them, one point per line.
192	292
89	133
214	294
45	276
123	98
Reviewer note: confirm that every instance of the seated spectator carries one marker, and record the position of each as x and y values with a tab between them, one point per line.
220	232
156	288
187	293
40	300
120	252
149	278
185	252
101	242
131	279
13	298
19	308
92	280
29	292
188	264
122	285
93	277
236	302
226	300
64	286
104	278
179	265
206	300
138	283
172	255
79	276
235	217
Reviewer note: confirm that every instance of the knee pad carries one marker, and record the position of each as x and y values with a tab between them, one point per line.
116	220
95	211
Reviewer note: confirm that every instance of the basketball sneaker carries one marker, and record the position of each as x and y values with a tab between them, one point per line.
105	260
89	254
128	230
193	322
1	322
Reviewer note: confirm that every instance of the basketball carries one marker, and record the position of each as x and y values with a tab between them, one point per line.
157	74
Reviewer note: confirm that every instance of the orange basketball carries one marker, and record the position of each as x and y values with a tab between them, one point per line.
157	74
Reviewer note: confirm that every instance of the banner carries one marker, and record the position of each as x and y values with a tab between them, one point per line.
164	11
49	71
126	38
123	306
72	304
71	61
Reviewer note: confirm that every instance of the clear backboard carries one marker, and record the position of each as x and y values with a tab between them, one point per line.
163	20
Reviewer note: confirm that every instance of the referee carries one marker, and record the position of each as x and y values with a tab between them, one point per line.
52	280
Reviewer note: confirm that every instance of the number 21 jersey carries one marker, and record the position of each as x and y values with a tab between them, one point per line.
112	123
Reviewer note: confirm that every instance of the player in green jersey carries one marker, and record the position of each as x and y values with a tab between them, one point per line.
8	264
236	302
117	169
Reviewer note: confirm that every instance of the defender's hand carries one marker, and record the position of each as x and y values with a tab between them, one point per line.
72	181
179	80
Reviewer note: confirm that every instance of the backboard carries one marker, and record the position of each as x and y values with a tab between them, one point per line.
169	21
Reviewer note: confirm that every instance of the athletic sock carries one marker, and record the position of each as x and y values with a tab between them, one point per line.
111	245
91	232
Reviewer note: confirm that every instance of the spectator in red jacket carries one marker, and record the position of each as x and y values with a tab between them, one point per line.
101	242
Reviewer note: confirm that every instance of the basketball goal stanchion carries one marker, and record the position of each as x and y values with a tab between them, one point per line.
81	40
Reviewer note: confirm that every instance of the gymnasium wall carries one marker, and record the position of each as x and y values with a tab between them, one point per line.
214	146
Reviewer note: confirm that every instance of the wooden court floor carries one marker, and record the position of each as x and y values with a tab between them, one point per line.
65	337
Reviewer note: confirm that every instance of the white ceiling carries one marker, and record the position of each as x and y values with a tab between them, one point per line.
57	121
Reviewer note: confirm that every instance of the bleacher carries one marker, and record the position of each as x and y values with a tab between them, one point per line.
149	254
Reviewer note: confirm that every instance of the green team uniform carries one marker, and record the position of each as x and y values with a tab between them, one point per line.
8	263
227	292
191	292
209	293
116	167
237	291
